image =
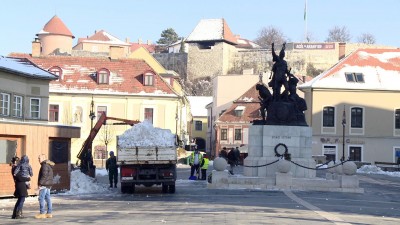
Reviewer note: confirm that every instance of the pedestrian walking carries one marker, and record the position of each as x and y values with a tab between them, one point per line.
45	181
233	159
112	168
21	191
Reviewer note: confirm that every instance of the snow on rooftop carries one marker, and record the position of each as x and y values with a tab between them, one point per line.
207	29
383	57
198	104
145	135
24	68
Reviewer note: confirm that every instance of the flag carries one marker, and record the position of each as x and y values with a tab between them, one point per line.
344	117
305	10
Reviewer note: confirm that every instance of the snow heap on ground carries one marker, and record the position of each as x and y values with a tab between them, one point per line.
372	169
83	184
144	134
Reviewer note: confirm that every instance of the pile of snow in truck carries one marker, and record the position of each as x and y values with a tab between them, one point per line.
144	134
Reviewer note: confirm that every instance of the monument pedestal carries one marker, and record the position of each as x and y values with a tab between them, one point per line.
263	142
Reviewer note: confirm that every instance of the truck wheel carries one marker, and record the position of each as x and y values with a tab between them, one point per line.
172	188
125	188
164	188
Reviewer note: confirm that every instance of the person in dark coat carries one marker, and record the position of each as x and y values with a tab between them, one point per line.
21	191
45	181
112	168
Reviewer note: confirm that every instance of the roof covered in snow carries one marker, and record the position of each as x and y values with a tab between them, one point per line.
79	75
104	38
380	69
212	30
24	68
56	26
198	105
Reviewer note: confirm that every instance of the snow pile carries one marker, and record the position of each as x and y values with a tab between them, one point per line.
83	184
145	135
372	169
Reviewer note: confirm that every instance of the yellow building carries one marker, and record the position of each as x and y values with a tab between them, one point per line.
199	123
354	107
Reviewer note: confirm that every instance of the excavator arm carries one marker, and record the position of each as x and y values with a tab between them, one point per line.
85	154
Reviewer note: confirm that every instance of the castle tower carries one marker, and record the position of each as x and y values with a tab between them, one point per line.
55	37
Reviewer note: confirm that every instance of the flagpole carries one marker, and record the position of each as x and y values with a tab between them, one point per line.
305	21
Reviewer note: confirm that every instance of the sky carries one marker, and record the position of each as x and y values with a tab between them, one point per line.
21	20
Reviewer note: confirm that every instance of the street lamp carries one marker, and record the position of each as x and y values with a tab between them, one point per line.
176	128
91	114
344	126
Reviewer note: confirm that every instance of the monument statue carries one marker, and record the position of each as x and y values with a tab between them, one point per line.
281	107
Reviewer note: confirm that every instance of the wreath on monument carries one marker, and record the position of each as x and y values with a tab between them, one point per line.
280	150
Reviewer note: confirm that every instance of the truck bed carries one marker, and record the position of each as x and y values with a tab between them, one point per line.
147	155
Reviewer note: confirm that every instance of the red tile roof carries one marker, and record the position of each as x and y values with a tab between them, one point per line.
56	26
103	37
251	112
79	75
151	48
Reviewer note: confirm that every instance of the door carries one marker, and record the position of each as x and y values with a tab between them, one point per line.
355	153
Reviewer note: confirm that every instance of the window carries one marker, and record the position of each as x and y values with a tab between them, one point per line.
198	125
148	114
53	113
103	76
356	117
238	134
4	104
58	151
355	77
8	150
35	108
397	119
100	110
224	134
239	110
56	71
148	79
206	45
17	106
328	117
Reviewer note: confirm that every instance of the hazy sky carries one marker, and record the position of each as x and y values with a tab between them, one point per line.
21	20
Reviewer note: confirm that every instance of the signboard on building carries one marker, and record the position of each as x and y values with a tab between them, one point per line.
314	46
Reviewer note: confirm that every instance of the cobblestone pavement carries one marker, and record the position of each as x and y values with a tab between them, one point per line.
194	203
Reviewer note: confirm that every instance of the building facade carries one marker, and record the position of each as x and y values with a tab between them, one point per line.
353	107
24	127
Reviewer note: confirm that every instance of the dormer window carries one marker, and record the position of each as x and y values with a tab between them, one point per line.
148	79
239	110
103	76
56	71
355	77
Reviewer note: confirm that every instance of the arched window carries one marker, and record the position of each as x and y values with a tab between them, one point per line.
56	71
103	76
148	79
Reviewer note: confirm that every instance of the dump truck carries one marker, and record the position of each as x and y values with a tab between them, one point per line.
147	158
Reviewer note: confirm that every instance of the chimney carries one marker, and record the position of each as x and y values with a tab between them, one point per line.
116	52
127	40
342	50
139	41
148	42
36	48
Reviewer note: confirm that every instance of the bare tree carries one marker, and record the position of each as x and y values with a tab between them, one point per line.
107	134
338	34
269	35
366	38
199	87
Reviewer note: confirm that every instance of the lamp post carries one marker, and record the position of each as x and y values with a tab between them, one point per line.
91	114
344	126
176	128
92	117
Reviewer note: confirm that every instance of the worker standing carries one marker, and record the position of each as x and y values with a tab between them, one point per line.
204	167
195	160
112	168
